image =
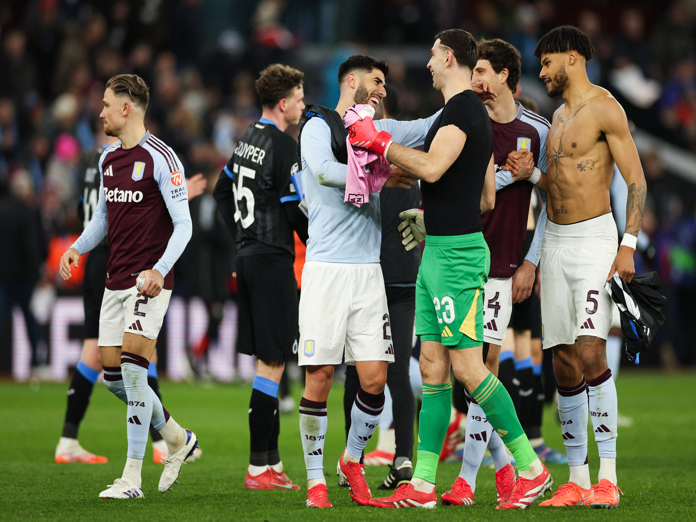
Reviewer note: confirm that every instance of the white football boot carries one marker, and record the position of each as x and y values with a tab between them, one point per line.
173	463
122	488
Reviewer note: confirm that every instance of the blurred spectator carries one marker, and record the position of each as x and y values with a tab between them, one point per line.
23	254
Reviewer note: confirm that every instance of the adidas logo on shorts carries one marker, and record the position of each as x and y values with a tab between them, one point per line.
136	326
390	350
587	325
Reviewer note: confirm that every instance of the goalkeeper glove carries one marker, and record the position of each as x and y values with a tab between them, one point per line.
363	133
412	230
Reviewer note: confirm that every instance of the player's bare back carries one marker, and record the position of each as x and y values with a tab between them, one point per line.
580	162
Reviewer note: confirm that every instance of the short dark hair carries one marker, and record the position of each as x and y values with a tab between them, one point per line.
462	44
132	86
277	82
502	55
361	62
564	39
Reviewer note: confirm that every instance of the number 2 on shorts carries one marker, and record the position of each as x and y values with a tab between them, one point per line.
142	300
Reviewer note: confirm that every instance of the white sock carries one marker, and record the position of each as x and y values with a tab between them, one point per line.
132	471
313	425
614	345
139	407
174	435
498	451
257	470
573	411
604	414
364	416
386	439
533	471
278	468
385	422
478	434
422	486
580	475
607	470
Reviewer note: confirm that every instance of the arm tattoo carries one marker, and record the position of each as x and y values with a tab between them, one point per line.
635	205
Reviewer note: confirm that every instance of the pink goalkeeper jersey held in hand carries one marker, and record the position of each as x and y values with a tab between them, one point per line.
367	171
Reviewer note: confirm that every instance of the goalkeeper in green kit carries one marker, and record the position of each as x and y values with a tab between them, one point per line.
458	184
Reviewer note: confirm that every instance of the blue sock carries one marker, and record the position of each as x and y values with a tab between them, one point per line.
152	370
523	364
536	369
504	356
88	373
266	386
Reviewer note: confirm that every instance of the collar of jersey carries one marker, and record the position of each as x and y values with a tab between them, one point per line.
268	122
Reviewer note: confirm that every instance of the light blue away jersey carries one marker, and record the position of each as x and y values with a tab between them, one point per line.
341	232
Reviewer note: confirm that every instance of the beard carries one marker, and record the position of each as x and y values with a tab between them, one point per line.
559	82
362	95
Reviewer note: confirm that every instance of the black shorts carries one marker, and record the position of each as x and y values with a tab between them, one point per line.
268	306
527	314
93	289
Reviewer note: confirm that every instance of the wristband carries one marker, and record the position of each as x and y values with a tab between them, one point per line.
629	240
386	150
535	177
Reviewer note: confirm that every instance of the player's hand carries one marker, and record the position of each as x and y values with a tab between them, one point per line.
623	264
412	229
70	256
195	185
483	90
399	178
523	282
154	282
365	135
520	163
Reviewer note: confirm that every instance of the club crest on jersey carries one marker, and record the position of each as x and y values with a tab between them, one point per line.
138	171
177	178
524	143
308	348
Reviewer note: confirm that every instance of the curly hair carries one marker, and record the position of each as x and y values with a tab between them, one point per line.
564	39
131	86
276	82
502	55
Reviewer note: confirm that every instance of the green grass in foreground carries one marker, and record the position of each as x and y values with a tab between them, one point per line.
657	459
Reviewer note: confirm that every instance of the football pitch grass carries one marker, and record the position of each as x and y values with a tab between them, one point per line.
656	465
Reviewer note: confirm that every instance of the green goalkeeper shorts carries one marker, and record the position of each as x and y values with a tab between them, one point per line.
449	290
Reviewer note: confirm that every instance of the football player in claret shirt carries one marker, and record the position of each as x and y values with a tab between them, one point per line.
260	204
458	184
144	210
89	367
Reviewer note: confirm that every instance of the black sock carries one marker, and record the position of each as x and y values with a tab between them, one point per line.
262	410
506	375
273	453
78	399
525	396
350	391
536	415
154	384
459	397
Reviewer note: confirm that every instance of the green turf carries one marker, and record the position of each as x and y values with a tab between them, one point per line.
656	467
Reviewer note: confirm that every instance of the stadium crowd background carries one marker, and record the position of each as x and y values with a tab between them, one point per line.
200	58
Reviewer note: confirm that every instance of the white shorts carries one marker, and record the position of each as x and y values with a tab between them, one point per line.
125	311
575	262
343	307
497	309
